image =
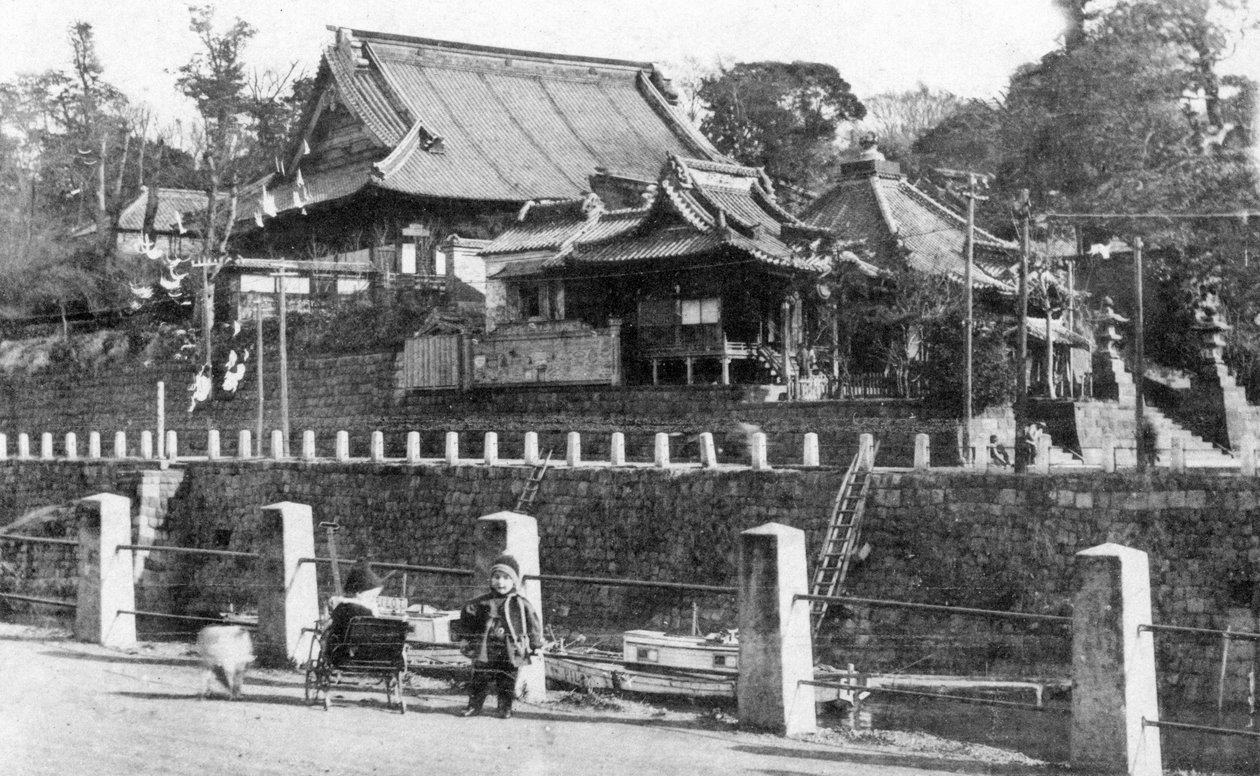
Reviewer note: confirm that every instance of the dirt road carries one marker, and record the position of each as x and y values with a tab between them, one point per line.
72	708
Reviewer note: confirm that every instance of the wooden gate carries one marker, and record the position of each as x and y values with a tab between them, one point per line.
433	362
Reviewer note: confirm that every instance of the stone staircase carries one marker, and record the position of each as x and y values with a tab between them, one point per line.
1198	451
1098	422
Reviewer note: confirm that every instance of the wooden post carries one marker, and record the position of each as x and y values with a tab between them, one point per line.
284	361
1023	211
1139	365
258	364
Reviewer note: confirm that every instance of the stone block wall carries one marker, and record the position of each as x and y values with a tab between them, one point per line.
548	352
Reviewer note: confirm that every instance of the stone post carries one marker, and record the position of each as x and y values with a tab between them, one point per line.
532	458
146	445
1108	458
72	445
809	455
573	449
342	448
4	447
378	446
866	446
757	451
516	535
105	572
277	444
288	598
308	445
775	643
94	444
617	449
490	448
24	445
120	444
1113	665
172	446
46	446
1247	466
244	444
214	449
708	451
452	448
1042	464
922	451
413	447
660	451
1177	455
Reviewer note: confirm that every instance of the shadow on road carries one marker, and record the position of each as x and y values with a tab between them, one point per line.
920	762
70	654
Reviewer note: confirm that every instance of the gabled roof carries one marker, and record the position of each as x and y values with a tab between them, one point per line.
698	206
176	207
467	122
873	201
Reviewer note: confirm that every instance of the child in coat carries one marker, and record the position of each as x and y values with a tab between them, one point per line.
503	631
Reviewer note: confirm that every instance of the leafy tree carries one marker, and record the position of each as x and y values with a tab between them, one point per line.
899	119
778	115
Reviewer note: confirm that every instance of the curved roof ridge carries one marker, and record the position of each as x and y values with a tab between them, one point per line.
677	123
348	92
477	48
982	235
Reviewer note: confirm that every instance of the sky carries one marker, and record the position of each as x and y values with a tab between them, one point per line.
968	47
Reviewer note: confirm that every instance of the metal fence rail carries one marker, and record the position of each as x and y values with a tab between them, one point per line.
188	617
997	613
941	697
613	582
1226	634
39	540
187	550
37	600
1216	731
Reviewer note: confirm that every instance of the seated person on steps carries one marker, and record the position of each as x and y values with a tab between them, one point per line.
997	453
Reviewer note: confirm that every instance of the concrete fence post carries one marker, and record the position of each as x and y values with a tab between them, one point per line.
775	641
490	448
288	597
244	444
1107	456
708	450
1247	466
24	445
72	445
146	445
46	446
978	457
1177	455
377	446
452	448
1042	464
617	449
120	444
4	447
413	447
866	447
106	585
922	451
757	452
214	448
94	444
172	446
1113	665
809	451
516	535
573	449
277	444
308	445
532	458
660	450
341	449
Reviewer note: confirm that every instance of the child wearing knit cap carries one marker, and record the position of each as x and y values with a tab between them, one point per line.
503	631
362	589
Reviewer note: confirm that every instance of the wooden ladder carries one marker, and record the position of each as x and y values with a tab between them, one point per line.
842	534
531	486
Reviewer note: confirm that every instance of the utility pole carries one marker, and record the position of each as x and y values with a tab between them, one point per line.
1023	212
1139	366
258	360
969	322
281	276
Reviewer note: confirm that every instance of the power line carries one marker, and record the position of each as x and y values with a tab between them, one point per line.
1240	214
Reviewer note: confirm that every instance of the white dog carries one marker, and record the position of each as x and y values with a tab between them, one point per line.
225	651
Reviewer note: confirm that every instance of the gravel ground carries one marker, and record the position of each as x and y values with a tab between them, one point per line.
69	707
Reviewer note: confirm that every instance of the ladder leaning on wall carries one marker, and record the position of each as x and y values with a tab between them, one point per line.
526	501
843	530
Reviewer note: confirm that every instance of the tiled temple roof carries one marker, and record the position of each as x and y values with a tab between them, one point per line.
874	202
